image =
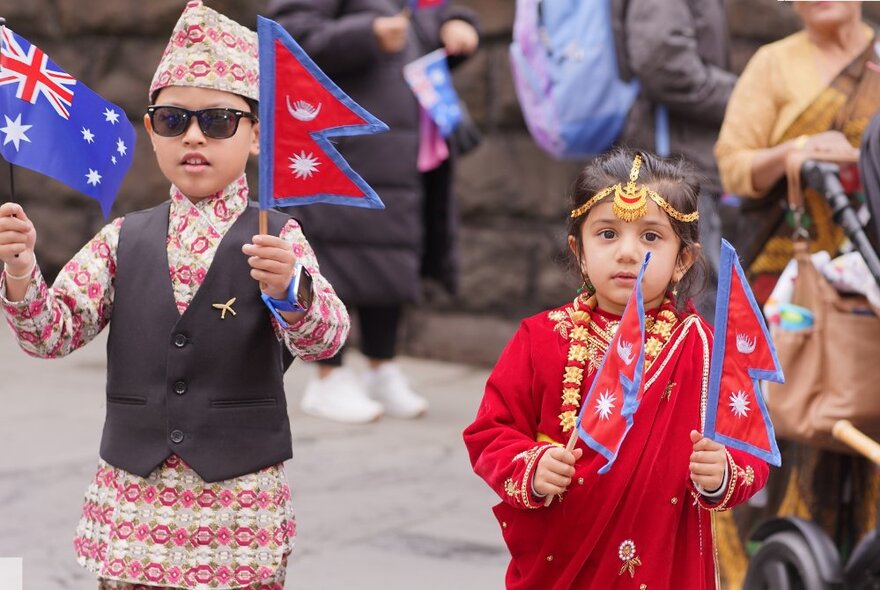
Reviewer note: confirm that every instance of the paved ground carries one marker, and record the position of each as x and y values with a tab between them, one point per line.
390	506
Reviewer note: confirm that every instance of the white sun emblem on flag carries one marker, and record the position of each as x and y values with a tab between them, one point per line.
739	403
604	405
304	165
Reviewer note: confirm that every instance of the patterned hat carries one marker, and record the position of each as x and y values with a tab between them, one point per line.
209	50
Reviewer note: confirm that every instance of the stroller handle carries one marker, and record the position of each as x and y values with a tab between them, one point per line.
844	431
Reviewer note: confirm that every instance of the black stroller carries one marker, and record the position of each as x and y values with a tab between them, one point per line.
793	553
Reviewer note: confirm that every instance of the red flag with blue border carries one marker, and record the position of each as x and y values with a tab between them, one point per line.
300	109
742	355
607	412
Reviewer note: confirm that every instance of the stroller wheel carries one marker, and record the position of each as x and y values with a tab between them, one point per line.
784	562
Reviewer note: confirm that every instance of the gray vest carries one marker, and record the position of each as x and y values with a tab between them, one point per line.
204	388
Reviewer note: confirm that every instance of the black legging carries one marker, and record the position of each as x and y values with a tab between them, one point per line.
379	325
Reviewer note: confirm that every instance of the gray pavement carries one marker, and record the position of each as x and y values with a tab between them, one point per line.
391	505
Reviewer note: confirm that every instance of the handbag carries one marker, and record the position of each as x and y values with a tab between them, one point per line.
832	368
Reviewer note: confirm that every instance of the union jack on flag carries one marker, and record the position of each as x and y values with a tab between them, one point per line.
34	76
55	125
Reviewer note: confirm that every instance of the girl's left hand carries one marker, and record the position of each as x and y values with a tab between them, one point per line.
459	37
271	260
707	462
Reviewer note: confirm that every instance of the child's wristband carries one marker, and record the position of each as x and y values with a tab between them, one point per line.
20	277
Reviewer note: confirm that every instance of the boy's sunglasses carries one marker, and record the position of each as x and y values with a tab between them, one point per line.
217	123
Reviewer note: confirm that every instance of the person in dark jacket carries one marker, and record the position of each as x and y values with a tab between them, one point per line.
376	258
679	52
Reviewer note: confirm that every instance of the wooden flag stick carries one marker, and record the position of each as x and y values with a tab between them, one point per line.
572	440
843	430
264	222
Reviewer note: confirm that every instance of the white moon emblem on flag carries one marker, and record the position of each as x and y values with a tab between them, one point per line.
302	111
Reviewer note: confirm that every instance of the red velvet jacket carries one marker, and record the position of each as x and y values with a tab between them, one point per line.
640	526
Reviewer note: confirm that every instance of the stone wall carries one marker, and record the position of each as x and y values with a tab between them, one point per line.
512	196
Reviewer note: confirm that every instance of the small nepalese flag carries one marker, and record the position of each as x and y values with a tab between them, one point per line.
419	4
300	109
743	353
431	82
607	413
55	125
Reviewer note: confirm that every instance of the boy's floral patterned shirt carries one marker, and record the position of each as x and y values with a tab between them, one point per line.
130	528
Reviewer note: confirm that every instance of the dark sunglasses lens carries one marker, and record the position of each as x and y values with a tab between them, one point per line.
169	121
218	123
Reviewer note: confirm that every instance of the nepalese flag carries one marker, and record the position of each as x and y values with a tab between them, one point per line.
55	125
419	4
300	109
607	413
431	82
743	353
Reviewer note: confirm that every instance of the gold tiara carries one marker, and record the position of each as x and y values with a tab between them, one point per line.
631	201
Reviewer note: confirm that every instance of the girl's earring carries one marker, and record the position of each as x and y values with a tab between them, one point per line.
675	289
587	286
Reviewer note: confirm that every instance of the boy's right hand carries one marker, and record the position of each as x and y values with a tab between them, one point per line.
17	237
391	32
555	470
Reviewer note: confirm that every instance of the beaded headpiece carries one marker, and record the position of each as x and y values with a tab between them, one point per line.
631	200
209	50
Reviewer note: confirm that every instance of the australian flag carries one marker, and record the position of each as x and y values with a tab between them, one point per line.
55	125
607	412
431	82
300	109
743	353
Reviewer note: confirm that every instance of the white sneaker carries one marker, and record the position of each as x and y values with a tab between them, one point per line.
339	397
388	386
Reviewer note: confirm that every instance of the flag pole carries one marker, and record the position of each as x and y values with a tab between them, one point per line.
11	167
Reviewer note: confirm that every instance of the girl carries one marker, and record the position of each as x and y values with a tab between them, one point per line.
647	523
190	490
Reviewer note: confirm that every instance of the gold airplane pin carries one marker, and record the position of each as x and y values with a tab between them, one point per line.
224	307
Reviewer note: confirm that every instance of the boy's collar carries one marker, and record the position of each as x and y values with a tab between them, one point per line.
234	196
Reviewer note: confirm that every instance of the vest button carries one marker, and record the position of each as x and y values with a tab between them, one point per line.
180	387
176	436
179	340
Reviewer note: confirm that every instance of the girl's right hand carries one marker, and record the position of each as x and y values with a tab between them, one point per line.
555	470
17	237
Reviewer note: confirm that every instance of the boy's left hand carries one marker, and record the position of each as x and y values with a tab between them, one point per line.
707	462
271	260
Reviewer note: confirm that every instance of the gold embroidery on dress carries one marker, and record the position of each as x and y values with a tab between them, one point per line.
627	554
747	475
510	487
667	391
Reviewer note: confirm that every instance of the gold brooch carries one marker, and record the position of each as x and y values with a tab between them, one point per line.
224	307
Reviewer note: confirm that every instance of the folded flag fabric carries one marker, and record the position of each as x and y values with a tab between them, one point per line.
300	109
431	82
55	125
607	413
743	354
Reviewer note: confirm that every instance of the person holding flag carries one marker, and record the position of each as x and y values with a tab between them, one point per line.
205	314
622	375
376	259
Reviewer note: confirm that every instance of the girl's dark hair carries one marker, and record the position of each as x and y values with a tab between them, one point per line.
674	178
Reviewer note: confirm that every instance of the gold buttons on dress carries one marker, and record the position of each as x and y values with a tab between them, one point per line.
504	525
549	558
674	500
581	481
643	587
